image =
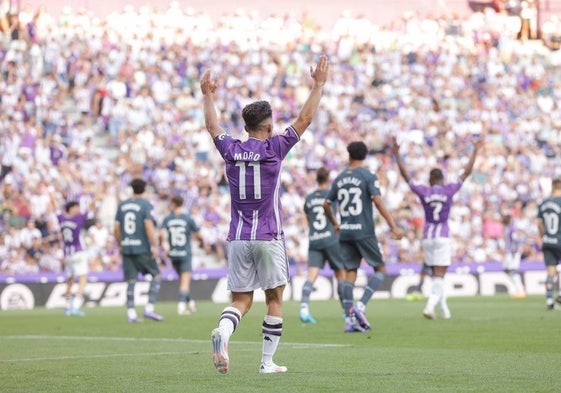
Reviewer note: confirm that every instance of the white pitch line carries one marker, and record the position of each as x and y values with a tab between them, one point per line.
172	340
98	338
109	355
133	339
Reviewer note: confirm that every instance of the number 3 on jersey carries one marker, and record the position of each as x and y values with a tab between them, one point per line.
320	220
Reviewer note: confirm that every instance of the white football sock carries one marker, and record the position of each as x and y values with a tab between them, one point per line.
77	301
436	292
131	313
271	341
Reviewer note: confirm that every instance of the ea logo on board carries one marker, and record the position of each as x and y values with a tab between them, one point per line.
17	297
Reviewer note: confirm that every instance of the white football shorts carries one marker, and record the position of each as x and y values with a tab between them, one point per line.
511	261
254	264
438	251
76	264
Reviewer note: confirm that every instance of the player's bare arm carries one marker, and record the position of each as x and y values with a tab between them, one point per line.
309	109
152	236
163	239
200	239
541	228
208	87
399	161
381	206
330	215
469	166
117	233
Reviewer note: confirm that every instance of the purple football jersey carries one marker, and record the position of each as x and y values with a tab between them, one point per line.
512	241
253	170
436	201
70	228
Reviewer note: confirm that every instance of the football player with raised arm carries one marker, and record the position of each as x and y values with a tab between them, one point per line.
436	199
256	250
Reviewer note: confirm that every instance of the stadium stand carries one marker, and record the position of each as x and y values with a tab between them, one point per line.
89	103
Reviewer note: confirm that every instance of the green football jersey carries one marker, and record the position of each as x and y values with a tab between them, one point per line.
321	233
179	228
549	212
353	190
131	215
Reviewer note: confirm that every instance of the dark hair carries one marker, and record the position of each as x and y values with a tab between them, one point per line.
357	150
138	186
322	175
177	200
435	175
253	114
70	205
556	184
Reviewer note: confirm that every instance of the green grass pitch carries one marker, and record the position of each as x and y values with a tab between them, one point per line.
491	344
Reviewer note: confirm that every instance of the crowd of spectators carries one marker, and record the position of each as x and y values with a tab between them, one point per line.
89	103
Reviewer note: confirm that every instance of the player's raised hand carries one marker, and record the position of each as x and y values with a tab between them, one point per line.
208	86
479	143
319	74
395	145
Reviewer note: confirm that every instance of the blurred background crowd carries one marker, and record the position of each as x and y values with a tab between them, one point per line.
88	103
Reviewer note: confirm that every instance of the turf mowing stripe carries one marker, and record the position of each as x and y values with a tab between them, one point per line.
111	355
182	340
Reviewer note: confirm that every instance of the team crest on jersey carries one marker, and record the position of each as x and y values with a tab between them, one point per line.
376	183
